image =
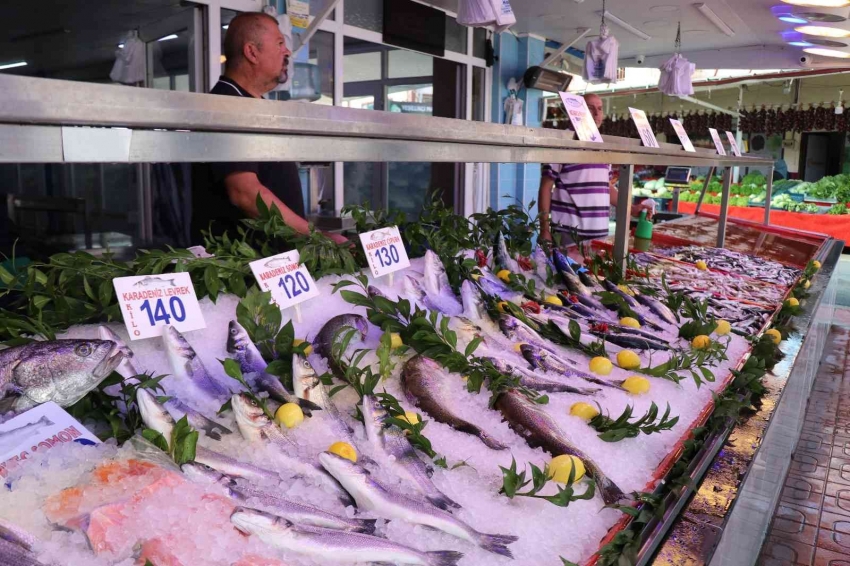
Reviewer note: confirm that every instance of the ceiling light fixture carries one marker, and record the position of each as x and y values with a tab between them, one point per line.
715	19
819	3
792	19
13	65
827	52
821	17
823	31
626	26
120	46
168	37
225	26
800	44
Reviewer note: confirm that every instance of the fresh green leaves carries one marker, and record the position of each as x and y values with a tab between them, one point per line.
182	444
615	430
513	482
232	369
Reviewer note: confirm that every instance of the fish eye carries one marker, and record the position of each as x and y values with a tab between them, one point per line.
83	350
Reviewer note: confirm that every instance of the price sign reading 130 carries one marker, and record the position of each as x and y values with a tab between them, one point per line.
288	280
384	251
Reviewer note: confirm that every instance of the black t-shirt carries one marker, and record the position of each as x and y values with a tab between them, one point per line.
210	202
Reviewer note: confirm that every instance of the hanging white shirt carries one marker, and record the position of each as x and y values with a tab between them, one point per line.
600	60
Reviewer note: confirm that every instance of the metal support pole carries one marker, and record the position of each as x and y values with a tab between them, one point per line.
624	214
768	194
675	203
704	188
724	207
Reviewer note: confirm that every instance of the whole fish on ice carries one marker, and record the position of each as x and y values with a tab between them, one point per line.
187	366
308	386
531	380
539	358
437	287
62	371
333	332
11	438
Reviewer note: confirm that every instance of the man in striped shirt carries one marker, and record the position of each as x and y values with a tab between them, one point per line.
579	197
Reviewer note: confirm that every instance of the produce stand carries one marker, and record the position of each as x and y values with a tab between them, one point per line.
45	121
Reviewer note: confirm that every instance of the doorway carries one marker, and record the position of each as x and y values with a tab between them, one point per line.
821	155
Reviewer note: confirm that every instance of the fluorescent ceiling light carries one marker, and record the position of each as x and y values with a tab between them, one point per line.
628	27
168	37
791	19
823	31
225	26
827	52
13	65
819	3
715	19
800	43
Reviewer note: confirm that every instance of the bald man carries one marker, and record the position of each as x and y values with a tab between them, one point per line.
579	197
223	193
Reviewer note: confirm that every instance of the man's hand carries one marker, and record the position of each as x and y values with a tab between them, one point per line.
646	205
338	238
545	235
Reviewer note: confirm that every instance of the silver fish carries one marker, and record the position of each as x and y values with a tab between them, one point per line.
333	332
188	367
437	287
309	387
127	368
395	453
373	292
414	290
609	286
331	545
62	371
12	554
569	276
290	510
658	308
257	428
520	333
425	384
16	535
546	360
13	437
495	287
473	304
534	424
244	351
501	258
375	498
533	381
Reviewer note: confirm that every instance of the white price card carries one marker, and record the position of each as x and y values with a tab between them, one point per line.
384	251
39	430
683	135
286	277
718	143
580	117
733	143
151	302
647	136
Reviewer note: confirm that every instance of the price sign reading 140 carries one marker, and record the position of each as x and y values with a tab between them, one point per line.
384	251
289	282
151	302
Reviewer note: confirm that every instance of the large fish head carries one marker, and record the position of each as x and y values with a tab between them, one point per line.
374	417
500	252
260	523
249	416
106	333
237	339
154	414
473	304
204	475
532	354
176	344
467	329
63	371
344	470
413	289
562	263
435	279
305	380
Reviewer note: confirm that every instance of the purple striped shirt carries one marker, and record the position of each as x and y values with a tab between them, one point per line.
581	198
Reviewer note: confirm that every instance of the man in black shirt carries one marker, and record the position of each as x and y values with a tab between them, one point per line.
222	193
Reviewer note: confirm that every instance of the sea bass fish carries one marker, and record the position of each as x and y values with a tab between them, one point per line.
538	429
333	332
658	308
375	498
290	510
501	258
12	554
187	366
425	383
437	287
244	351
532	381
546	360
395	453
257	428
127	368
12	438
569	276
62	371
334	546
16	535
309	387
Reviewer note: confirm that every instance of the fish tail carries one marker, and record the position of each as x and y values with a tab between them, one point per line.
441	501
308	406
491	442
497	544
611	493
444	558
366	526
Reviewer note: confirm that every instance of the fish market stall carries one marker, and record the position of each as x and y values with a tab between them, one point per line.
491	402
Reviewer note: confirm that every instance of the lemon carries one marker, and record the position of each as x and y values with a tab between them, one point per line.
723	328
625	289
701	265
583	410
504	275
560	467
518	347
476	276
553	300
410	417
775	335
630	322
807	284
600	365
465	377
290	415
344	449
628	360
636	385
816	264
395	340
701	342
501	306
298	341
792	302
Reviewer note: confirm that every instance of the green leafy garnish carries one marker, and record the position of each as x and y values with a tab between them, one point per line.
615	430
513	482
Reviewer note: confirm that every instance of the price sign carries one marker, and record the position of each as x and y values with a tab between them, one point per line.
288	280
647	136
151	302
580	117
384	251
733	143
717	142
683	135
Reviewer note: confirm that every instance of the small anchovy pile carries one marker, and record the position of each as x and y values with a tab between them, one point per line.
736	263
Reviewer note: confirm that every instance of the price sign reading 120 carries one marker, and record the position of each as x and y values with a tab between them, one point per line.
151	302
288	280
384	251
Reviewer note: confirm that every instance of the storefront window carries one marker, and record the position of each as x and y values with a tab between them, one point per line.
403	64
366	14
455	35
321	69
478	93
479	43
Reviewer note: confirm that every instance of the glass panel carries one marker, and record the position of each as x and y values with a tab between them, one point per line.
316	6
455	36
408	186
170	49
362	183
479	43
478	75
358	67
226	17
411	99
361	102
366	14
405	64
319	87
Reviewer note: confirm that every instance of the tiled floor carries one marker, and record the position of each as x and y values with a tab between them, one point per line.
811	527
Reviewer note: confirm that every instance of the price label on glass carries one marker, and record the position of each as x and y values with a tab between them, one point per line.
286	277
151	302
683	135
718	143
733	143
384	251
647	136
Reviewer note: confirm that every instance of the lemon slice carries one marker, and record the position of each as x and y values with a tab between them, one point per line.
560	467
289	415
345	450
